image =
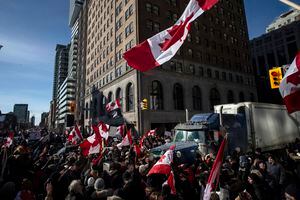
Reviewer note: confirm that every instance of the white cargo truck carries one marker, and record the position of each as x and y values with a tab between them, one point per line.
268	126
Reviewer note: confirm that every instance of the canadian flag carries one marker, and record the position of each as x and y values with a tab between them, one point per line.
9	140
215	171
163	46
113	105
127	140
163	165
137	150
121	130
171	182
103	130
151	132
75	135
92	144
290	86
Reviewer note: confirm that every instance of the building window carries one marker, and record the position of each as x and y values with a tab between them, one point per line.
189	38
190	52
208	73
224	76
129	12
156	27
155	10
214	98
148	7
201	71
178	97
230	97
241	97
252	97
156	96
230	77
217	75
179	67
149	24
173	66
119	55
197	102
110	96
129	97
86	110
119	95
129	29
192	69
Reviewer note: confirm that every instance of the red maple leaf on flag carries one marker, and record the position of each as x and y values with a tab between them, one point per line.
176	33
162	158
295	78
206	4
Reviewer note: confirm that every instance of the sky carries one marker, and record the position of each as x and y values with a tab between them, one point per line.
30	30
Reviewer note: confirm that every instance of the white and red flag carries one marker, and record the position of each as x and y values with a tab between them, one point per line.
113	105
161	47
121	130
103	130
9	140
127	140
75	135
290	86
163	165
171	182
113	109
92	144
215	171
149	133
137	150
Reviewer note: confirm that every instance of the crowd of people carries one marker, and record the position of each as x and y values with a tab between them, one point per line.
40	171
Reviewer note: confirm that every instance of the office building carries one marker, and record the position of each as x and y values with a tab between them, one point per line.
32	121
60	74
21	112
44	120
274	49
283	20
212	67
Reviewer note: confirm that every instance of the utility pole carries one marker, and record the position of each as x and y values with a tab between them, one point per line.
292	4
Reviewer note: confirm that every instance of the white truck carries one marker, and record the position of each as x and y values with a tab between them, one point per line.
268	126
249	126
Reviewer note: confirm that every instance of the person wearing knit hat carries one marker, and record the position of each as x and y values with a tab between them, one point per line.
90	182
100	191
99	184
89	189
292	192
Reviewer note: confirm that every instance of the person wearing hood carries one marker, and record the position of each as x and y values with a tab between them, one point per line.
100	192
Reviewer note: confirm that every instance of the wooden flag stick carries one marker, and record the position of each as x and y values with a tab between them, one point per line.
292	4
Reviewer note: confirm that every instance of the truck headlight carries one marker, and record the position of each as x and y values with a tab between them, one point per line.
178	154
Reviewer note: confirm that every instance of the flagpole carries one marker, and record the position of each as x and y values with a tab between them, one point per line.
139	90
292	4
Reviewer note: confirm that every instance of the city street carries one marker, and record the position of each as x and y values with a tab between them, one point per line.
155	100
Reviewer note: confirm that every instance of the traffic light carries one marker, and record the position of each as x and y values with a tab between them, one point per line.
275	77
72	106
144	104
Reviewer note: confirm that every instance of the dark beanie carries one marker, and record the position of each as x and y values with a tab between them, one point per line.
293	191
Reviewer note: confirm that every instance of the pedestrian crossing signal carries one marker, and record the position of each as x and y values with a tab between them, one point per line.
275	77
144	104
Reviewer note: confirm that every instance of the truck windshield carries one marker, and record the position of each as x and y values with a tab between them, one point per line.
193	135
